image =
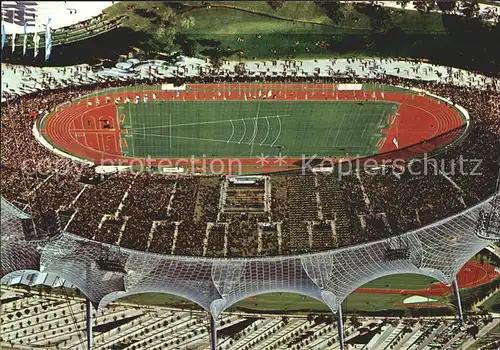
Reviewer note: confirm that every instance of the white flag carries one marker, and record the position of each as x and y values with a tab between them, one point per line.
4	36
36	41
25	39
48	40
395	142
13	41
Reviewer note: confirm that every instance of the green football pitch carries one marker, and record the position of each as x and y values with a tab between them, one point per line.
247	129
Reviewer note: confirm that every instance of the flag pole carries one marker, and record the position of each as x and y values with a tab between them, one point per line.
397	129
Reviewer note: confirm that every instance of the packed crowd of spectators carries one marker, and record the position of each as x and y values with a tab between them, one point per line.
169	213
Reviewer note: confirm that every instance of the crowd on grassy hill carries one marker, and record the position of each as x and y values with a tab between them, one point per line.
371	206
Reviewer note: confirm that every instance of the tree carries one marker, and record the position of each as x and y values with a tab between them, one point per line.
403	3
473	331
446	6
333	10
162	40
469	9
424	5
276	4
354	321
166	14
380	19
187	22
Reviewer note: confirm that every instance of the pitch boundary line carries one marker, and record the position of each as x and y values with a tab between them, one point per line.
169	130
133	143
118	127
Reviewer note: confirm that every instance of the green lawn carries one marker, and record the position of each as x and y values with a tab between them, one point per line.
403	281
258	31
253	30
355	301
282	302
493	303
288	302
259	36
225	129
294	13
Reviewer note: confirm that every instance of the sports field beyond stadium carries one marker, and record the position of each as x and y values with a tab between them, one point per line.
385	293
264	127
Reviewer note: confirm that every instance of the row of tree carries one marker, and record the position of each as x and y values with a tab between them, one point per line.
468	9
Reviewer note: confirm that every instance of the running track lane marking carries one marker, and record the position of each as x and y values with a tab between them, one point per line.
119	119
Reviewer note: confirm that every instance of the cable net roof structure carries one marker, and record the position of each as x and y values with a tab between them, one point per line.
104	273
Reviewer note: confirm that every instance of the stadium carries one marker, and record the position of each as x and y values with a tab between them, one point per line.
219	183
